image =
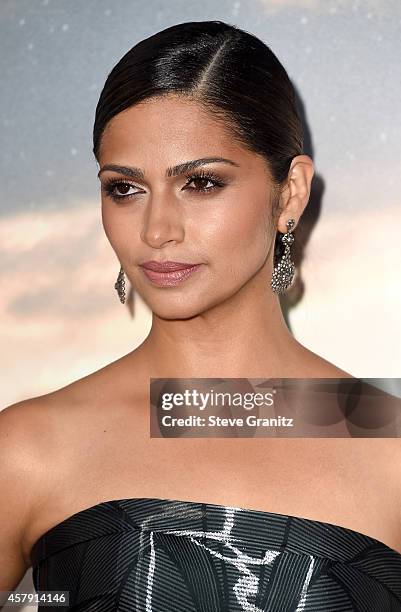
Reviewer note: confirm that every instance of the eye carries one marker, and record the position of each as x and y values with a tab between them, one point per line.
204	177
118	189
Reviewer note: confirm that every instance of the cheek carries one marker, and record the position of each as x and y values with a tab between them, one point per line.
116	228
107	219
240	232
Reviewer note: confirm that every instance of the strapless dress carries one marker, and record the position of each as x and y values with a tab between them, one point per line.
167	555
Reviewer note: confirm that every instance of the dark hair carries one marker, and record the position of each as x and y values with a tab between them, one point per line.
231	72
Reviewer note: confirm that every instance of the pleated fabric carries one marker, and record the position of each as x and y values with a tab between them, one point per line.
166	555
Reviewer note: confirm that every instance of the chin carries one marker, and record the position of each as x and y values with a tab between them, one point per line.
175	310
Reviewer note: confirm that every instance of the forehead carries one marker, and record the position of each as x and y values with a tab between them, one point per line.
168	114
167	129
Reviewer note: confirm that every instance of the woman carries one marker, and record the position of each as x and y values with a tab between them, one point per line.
199	145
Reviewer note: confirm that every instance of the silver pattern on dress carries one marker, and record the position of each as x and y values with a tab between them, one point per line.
165	555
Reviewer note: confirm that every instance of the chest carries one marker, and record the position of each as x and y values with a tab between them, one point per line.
353	483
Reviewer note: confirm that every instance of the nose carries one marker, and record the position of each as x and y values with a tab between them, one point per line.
162	222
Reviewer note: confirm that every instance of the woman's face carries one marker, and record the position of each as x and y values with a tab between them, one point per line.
223	222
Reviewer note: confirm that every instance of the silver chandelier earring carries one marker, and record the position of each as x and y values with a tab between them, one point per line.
120	285
283	273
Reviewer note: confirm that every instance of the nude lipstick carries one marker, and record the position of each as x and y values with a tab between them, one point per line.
168	273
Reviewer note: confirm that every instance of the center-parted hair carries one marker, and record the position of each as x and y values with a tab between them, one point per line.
230	72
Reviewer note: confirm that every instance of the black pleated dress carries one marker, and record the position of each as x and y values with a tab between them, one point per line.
166	555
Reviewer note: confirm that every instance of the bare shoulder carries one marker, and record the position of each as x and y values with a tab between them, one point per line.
28	426
312	365
330	370
23	436
24	451
40	440
40	420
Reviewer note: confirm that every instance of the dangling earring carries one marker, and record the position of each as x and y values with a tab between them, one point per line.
120	285
283	273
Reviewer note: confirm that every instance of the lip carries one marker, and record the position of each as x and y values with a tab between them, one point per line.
166	266
172	277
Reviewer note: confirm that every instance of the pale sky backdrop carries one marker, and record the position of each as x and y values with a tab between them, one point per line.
60	315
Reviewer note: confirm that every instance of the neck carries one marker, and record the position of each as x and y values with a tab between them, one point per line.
243	336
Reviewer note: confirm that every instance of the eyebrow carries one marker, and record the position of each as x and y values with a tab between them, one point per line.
138	173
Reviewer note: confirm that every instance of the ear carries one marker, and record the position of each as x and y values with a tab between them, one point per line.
295	195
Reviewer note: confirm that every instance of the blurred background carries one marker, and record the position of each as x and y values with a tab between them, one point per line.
60	315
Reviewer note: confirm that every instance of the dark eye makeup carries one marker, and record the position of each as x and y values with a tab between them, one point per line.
111	185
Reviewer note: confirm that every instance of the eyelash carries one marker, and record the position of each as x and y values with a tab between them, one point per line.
111	184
